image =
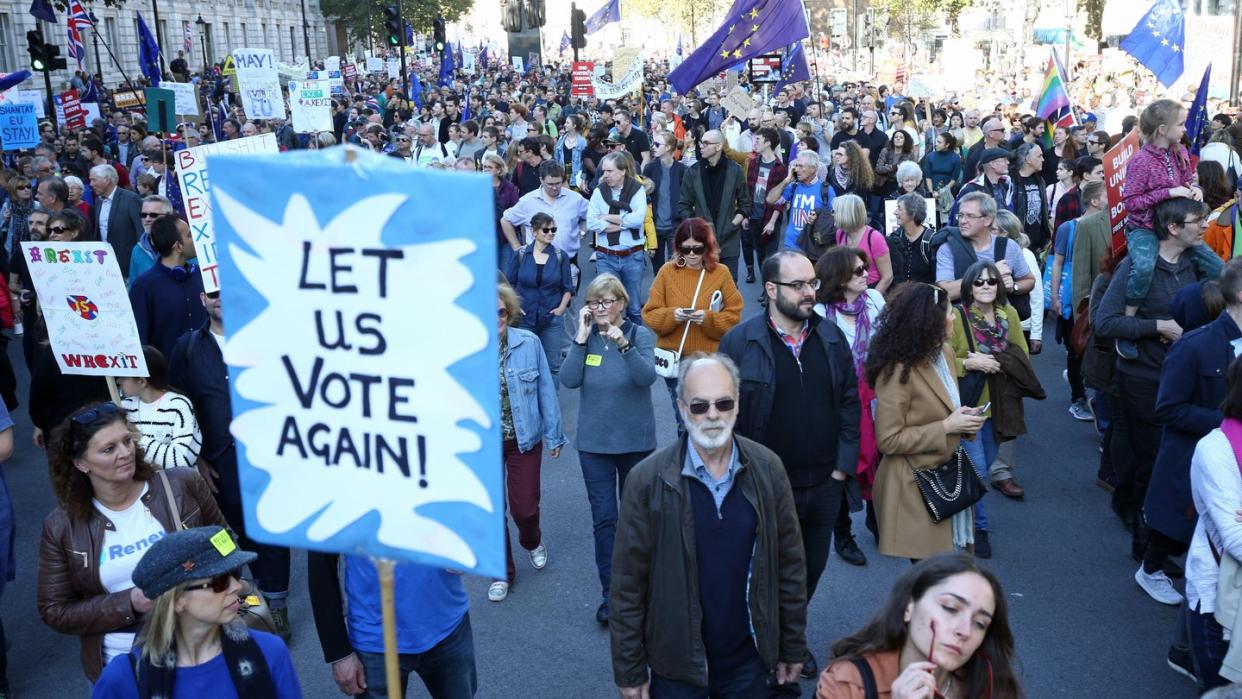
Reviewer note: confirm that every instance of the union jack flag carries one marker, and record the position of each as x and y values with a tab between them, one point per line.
77	20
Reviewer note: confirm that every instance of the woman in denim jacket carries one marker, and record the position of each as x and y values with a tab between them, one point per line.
569	149
530	418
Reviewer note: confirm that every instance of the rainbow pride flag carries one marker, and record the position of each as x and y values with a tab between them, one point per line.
1053	104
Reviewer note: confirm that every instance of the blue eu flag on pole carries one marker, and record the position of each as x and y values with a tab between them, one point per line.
148	53
610	12
416	89
565	44
42	9
446	68
752	28
1158	41
793	65
1197	118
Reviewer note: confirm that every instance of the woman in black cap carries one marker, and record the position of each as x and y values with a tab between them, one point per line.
192	643
112	507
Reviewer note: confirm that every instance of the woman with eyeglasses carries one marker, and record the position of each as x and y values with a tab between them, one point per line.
989	346
112	505
541	275
530	420
15	217
673	309
612	361
919	419
192	643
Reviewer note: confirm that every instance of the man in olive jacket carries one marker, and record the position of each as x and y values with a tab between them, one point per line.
708	571
714	188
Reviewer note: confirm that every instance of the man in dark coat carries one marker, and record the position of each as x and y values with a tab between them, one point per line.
121	224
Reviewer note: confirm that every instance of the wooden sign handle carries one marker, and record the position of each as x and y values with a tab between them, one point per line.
392	669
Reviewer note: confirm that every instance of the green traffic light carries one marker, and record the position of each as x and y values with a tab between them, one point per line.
36	64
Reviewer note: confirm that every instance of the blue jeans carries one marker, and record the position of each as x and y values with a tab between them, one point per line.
672	393
447	669
739	681
1208	645
629	270
1143	247
982	452
552	337
604	475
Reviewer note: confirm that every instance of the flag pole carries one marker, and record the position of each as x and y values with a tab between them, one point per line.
119	67
810	38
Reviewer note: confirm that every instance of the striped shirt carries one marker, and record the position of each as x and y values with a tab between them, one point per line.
169	434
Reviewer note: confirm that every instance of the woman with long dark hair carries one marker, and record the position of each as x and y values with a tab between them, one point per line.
943	632
919	419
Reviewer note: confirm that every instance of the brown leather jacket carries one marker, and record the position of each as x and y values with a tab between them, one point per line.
71	598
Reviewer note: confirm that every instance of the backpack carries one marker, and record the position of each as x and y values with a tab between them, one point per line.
964	256
926	249
817	238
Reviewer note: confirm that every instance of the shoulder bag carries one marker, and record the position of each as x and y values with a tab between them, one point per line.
253	608
950	487
970	386
666	361
870	689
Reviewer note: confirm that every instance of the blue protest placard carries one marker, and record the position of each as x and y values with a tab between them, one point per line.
359	303
19	126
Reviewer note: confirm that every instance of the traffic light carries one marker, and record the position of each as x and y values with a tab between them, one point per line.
441	35
34	45
578	29
392	25
51	56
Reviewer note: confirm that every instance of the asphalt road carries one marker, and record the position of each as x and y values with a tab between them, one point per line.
1082	626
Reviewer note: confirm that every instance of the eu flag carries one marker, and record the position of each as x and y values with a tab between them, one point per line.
446	68
148	53
793	65
1158	40
610	12
1197	118
752	28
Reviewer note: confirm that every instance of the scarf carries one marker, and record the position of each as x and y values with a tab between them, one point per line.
992	339
247	667
616	205
862	328
19	225
841	176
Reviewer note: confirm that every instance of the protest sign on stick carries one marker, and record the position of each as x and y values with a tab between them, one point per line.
19	126
310	105
191	166
259	84
1115	160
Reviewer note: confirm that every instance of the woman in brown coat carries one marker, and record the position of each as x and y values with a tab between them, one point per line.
112	507
919	420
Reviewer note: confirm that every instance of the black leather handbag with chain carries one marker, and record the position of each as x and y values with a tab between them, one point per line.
950	487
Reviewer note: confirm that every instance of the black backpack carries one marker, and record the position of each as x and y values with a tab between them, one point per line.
815	239
964	256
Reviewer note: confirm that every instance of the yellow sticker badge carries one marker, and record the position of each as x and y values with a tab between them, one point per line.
223	542
594	359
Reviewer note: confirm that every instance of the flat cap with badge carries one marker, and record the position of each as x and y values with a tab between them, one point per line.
190	554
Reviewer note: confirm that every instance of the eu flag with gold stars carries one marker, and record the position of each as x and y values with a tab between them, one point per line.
1197	118
752	28
1158	41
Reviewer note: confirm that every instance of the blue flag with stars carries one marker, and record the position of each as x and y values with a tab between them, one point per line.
793	65
752	28
1197	118
565	43
1158	41
610	12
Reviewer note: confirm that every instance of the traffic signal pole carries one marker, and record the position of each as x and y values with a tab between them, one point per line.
51	103
405	77
573	14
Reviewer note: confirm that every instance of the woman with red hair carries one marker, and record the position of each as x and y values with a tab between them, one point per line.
693	301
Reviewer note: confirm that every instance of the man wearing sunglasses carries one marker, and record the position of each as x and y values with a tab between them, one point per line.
800	400
144	256
742	540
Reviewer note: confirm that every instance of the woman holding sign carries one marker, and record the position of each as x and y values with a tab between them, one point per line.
112	506
612	361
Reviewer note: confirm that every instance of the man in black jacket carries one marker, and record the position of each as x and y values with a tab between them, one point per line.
197	367
799	398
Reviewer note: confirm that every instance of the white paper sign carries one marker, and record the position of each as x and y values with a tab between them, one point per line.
375	64
310	104
394	68
186	96
259	84
518	65
89	319
196	191
890	214
332	63
15	96
467	62
629	81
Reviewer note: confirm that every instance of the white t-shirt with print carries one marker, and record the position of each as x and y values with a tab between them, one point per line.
136	529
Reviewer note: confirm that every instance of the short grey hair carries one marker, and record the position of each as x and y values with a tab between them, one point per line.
987	205
688	363
909	169
326	139
809	156
157	199
105	171
915	206
1024	151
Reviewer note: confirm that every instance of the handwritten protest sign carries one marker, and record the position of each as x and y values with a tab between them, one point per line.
186	97
86	307
310	105
19	126
358	430
332	63
375	64
738	103
196	192
259	84
626	78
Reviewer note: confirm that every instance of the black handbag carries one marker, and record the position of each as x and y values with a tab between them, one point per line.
970	387
950	487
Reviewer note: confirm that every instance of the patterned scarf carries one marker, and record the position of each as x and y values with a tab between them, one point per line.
991	339
841	176
862	328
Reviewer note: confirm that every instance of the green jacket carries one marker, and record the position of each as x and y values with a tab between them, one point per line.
1092	240
734	199
656	619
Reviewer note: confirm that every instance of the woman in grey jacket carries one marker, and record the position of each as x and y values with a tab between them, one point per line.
613	361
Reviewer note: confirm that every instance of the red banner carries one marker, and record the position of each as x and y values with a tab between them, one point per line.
1114	176
75	116
583	71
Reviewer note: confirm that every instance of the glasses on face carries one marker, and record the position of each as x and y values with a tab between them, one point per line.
709	143
20	187
970	217
151	214
800	285
56	229
1193	222
548	229
217	584
700	407
600	303
860	271
693	249
980	283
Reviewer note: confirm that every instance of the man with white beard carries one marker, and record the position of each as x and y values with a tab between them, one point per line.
708	574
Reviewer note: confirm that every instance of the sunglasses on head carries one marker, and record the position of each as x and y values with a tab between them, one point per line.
93	413
723	405
219	583
986	282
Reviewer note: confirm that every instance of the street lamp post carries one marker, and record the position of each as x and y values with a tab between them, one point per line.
306	36
95	43
202	42
159	34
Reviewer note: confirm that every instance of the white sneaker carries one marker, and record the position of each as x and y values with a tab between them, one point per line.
17	329
499	590
539	557
1158	586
